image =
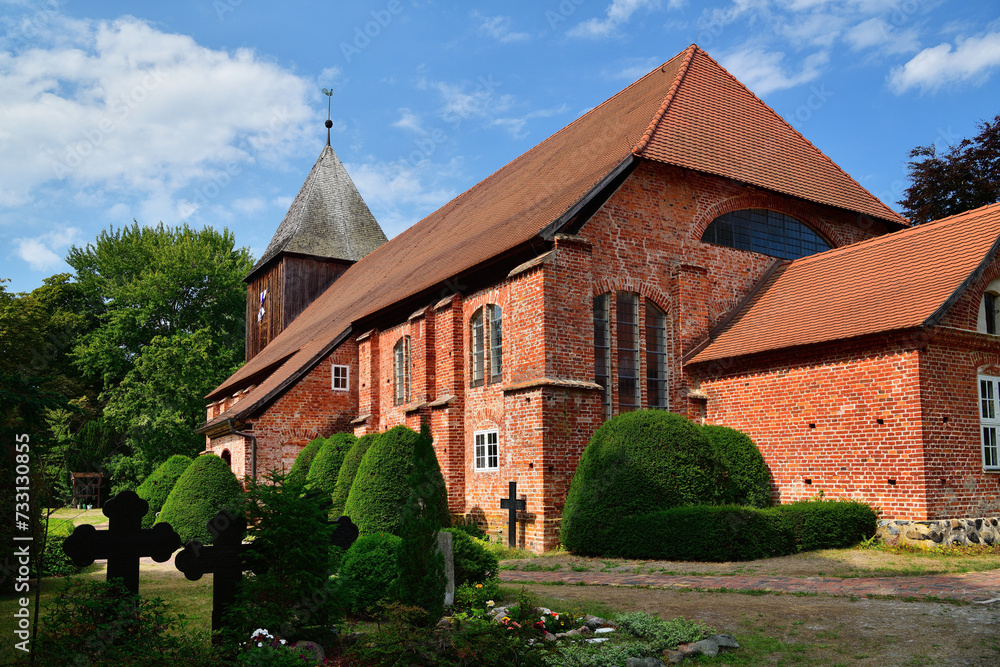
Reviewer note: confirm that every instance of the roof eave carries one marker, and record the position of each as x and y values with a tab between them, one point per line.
976	274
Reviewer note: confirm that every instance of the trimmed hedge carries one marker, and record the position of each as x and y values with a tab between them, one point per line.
731	533
636	462
381	486
325	467
207	486
368	572
474	563
349	469
155	489
749	481
302	463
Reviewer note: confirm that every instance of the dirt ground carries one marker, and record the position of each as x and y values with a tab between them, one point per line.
819	630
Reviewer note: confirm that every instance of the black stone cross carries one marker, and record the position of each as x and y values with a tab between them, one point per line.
512	505
224	560
124	542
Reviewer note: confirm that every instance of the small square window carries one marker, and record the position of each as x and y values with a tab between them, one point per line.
487	450
341	377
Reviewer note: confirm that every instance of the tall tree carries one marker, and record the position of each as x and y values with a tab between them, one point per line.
964	177
169	305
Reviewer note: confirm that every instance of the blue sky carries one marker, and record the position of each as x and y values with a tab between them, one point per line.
210	112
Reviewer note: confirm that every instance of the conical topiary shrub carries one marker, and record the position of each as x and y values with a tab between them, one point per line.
381	487
325	467
637	463
300	468
207	486
749	480
155	489
348	470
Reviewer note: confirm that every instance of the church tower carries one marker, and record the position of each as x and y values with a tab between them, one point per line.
327	228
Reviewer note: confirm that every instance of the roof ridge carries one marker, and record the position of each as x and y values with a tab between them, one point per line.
671	92
826	157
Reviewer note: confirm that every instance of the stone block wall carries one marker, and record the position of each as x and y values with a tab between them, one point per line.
940	533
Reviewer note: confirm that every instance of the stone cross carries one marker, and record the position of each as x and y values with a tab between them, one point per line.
512	505
224	560
124	542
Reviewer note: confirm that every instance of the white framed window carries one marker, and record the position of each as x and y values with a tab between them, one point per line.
486	345
487	449
401	371
341	377
989	419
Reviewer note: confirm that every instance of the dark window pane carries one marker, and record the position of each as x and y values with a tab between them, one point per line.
766	232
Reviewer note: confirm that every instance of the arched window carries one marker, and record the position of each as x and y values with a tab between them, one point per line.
767	232
486	345
227	457
988	313
401	371
637	387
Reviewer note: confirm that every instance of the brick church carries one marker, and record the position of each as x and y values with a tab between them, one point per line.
678	247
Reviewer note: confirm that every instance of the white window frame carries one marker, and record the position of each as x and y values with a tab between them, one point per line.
988	389
346	377
482	443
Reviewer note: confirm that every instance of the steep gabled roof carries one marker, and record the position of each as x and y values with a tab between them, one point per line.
535	193
328	218
902	280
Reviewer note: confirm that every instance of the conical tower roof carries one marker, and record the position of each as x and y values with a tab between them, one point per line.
328	218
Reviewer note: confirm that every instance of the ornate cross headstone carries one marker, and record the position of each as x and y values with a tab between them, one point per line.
512	505
124	542
345	533
224	560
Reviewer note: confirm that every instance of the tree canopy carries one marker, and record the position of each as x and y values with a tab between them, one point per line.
959	179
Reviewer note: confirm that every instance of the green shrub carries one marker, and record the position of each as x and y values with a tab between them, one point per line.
207	486
348	470
381	486
749	481
474	563
55	561
323	472
469	526
300	467
636	463
661	634
368	572
155	489
819	524
100	623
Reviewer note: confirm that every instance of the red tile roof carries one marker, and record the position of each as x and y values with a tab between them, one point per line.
902	280
528	195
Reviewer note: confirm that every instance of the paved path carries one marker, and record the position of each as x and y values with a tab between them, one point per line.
970	587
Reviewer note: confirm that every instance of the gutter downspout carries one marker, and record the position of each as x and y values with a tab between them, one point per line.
253	447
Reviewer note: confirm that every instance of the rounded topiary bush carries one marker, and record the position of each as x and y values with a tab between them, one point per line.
474	563
381	486
637	463
368	572
155	489
207	486
323	472
749	479
349	469
302	463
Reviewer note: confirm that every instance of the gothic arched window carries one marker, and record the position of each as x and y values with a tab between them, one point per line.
767	232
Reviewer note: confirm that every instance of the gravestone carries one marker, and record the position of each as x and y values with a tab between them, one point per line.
224	560
445	544
124	542
345	534
512	505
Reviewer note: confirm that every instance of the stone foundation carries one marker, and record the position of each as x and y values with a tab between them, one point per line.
941	532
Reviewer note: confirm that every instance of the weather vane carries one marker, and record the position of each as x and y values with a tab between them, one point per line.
329	102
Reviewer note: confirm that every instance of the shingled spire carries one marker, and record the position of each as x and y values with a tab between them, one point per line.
327	228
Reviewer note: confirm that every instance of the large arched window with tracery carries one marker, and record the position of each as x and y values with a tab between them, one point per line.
767	232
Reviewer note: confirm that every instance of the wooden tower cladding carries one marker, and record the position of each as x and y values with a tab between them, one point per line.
327	229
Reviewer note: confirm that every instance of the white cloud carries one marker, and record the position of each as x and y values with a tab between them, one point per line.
409	121
121	106
249	205
972	58
499	28
401	192
464	101
762	71
46	252
876	33
515	125
618	13
633	68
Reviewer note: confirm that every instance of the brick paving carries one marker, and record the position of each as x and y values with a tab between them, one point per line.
968	587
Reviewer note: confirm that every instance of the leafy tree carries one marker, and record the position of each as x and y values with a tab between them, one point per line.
421	564
964	177
168	306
